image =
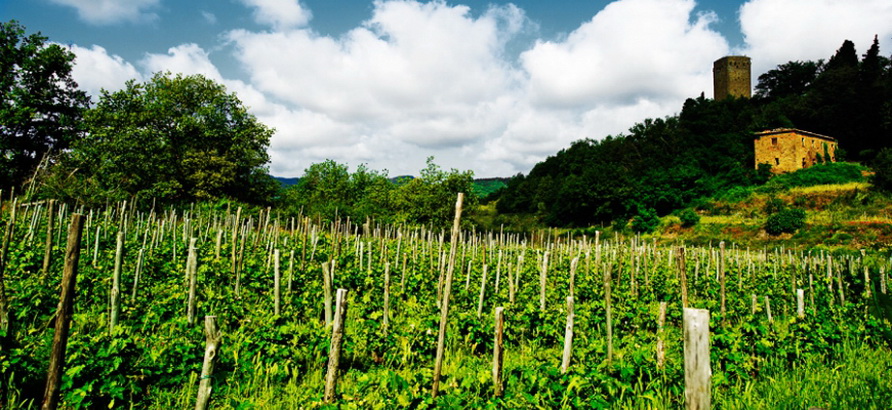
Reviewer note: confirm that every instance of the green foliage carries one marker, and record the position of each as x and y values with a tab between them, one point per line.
882	167
688	217
41	108
832	173
174	138
645	221
330	191
785	221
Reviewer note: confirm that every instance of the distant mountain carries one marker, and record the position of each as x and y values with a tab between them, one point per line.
287	182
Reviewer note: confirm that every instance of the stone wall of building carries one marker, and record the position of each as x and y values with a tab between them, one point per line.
791	149
731	77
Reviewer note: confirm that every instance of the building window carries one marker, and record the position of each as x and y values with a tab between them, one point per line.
777	161
774	141
803	142
803	162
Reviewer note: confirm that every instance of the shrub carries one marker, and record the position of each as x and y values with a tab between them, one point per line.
821	174
645	221
785	221
882	166
688	218
774	205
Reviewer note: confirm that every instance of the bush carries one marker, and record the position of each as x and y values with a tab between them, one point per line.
688	218
646	221
821	174
882	166
774	205
785	221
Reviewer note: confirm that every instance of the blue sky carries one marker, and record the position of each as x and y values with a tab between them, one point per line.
492	86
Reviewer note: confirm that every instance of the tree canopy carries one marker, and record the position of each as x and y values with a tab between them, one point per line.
40	105
172	138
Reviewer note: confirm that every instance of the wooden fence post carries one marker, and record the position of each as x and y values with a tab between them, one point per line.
63	313
277	285
212	346
334	354
800	303
697	371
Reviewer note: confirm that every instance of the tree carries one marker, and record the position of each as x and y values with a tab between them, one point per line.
175	138
790	79
430	199
40	105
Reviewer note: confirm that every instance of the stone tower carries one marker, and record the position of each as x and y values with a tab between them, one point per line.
731	77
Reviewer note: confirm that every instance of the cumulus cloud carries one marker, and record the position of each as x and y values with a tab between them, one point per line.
103	12
778	31
95	70
631	49
279	14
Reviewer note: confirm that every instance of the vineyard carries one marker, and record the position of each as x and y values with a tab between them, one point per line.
587	321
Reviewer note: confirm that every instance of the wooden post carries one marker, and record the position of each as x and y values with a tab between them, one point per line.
212	346
568	337
697	371
573	264
326	288
136	276
609	313
498	352
116	282
192	275
63	313
661	321
768	308
386	319
277	285
543	278
800	303
4	259
48	245
334	353
683	277
721	265
444	305
482	291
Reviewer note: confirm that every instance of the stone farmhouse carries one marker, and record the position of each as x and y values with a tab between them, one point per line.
789	149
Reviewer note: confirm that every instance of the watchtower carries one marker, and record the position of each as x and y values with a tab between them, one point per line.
731	77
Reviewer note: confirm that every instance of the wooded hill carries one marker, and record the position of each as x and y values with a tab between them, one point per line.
662	165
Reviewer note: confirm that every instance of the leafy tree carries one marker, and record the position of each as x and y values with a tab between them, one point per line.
40	105
790	79
787	220
175	138
430	199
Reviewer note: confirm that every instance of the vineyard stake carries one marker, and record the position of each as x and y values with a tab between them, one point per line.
386	319
661	321
697	371
482	291
444	306
212	344
498	352
116	282
63	313
48	247
326	288
334	354
568	337
800	303
136	276
543	278
608	312
277	284
4	258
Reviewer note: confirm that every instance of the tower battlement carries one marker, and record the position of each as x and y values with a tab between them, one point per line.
731	77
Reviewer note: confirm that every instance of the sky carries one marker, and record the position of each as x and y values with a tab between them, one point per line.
489	86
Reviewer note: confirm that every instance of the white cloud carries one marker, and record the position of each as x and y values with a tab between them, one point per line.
112	11
95	69
778	31
279	14
187	59
631	49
